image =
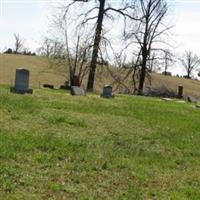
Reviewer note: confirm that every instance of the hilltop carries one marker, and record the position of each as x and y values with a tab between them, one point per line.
41	72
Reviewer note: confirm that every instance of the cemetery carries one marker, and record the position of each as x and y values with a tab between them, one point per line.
62	142
102	106
55	146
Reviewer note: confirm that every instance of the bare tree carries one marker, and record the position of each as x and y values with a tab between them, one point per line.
51	47
70	54
147	34
77	58
19	43
104	10
168	60
46	48
190	62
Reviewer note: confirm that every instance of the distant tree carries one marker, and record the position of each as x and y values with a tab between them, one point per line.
190	62
26	51
19	43
168	60
8	51
33	54
45	49
153	63
51	47
166	73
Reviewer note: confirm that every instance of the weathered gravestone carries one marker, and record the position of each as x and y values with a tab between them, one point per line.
107	92
77	91
191	99
22	82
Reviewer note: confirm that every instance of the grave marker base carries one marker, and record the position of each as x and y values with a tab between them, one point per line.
18	91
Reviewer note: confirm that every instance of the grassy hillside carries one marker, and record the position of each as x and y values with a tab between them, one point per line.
55	146
41	73
38	66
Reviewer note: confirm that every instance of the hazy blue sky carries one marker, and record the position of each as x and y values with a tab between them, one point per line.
29	19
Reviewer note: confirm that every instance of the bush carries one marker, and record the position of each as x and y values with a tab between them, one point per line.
167	73
8	51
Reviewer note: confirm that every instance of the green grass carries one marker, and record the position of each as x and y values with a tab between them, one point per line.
55	146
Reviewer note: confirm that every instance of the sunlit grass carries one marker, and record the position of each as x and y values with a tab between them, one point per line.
55	146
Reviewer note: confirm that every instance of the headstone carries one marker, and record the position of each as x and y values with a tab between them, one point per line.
191	99
107	92
180	91
77	91
22	82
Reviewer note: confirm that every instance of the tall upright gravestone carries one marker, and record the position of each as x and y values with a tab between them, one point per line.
22	82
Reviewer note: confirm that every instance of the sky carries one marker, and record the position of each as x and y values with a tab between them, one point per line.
29	19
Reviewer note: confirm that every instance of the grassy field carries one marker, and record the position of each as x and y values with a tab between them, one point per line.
55	146
38	66
41	73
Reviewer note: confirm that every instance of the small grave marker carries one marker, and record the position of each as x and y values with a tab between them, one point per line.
191	99
77	91
107	92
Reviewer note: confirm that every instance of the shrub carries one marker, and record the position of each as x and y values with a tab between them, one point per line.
8	51
166	73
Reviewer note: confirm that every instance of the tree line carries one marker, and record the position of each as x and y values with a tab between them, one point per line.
19	47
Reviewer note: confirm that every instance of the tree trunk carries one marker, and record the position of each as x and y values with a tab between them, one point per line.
142	76
188	74
165	72
97	39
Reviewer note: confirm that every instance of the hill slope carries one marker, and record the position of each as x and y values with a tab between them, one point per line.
55	146
42	73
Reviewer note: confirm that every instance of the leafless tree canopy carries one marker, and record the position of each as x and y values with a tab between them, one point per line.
98	12
86	40
190	62
51	47
69	48
168	60
19	42
147	35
